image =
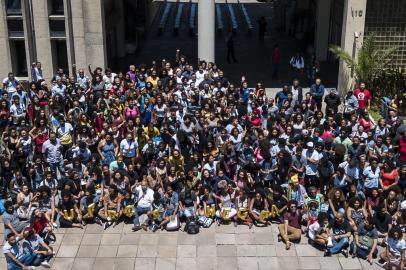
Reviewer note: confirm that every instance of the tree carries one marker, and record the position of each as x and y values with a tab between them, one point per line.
371	65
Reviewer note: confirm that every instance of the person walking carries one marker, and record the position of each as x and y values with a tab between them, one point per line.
276	59
230	49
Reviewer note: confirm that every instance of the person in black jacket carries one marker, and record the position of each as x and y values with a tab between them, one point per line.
332	101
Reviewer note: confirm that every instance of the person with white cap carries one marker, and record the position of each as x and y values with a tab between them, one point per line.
312	160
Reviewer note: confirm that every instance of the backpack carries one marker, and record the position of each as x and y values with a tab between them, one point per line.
205	222
191	226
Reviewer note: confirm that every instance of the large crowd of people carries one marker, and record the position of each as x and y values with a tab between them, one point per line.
179	146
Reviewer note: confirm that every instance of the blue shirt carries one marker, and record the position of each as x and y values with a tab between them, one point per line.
371	177
317	90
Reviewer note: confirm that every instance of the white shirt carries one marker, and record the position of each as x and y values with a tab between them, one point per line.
145	199
128	149
311	169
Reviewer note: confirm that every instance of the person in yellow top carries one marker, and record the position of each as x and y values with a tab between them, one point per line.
151	131
153	78
176	159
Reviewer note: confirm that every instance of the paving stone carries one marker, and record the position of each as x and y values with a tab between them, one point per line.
225	239
107	251
67	251
91	239
243	229
288	263
165	263
206	263
144	264
306	251
74	231
72	239
103	263
266	250
247	263
263	237
62	263
226	251
282	252
87	251
227	263
167	251
110	239
149	239
268	263
186	251
187	239
127	251
118	229
309	263
124	263
245	239
349	263
94	228
147	251
83	263
224	228
366	265
168	239
207	251
185	263
246	251
206	238
3	265
130	239
329	263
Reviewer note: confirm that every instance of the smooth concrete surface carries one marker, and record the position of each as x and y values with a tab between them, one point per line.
206	30
218	247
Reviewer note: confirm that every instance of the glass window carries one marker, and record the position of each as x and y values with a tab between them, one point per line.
13	7
57	28
18	58
59	54
56	7
15	28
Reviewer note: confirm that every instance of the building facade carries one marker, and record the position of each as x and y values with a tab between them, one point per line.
62	33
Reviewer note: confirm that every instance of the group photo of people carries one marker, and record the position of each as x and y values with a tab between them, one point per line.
174	145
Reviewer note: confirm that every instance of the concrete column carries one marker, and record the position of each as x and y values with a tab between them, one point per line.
79	34
351	39
42	37
94	32
69	35
29	35
4	43
322	29
206	30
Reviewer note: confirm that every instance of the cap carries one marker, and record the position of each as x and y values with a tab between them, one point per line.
310	144
294	179
403	205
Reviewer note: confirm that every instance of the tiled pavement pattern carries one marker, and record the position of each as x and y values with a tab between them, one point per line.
224	247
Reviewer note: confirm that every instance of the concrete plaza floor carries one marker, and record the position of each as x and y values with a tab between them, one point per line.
218	247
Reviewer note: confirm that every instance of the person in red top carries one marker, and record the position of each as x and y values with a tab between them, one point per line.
402	148
363	96
276	59
389	175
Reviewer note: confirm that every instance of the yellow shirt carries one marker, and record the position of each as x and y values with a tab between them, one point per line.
154	82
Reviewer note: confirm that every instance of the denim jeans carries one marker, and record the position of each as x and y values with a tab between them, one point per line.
188	212
138	212
339	245
25	259
55	166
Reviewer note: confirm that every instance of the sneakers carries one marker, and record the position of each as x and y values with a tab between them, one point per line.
45	264
144	227
329	242
114	224
327	253
345	253
106	225
98	221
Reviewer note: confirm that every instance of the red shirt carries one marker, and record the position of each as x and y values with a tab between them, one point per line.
388	178
402	149
362	97
276	56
